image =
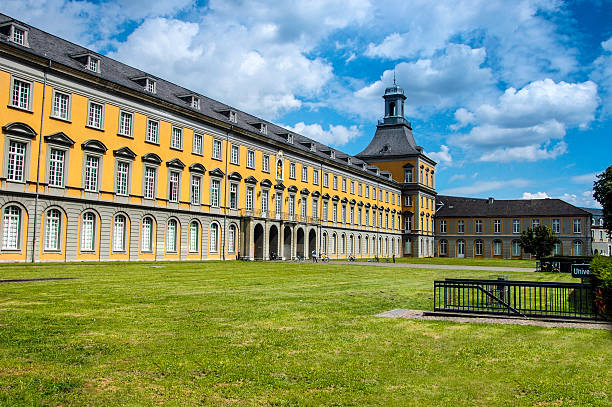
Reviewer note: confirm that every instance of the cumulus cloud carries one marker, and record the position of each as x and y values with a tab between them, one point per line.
486	186
442	157
584	199
588	179
535	195
442	80
335	135
602	74
528	124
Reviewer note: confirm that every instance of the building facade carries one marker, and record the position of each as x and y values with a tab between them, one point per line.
103	161
489	228
602	240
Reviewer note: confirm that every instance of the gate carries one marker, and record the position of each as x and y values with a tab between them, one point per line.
518	298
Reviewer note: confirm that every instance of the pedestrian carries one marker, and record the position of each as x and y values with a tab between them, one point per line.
314	256
393	257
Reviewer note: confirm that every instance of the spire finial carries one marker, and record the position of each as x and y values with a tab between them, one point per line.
394	76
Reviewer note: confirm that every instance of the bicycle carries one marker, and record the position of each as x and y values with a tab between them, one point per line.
325	258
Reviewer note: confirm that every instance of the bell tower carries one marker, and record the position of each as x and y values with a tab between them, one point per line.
394	105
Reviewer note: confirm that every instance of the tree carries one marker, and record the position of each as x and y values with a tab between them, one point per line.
538	241
602	192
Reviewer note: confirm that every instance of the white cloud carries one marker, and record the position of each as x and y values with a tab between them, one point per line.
602	74
528	124
527	153
585	178
486	186
456	177
444	79
335	135
536	195
442	157
584	199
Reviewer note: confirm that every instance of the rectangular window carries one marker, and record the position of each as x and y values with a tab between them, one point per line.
95	115
497	226
343	213
16	161
250	159
304	173
173	186
196	188
56	167
359	189
125	123
325	211
61	105
149	182
278	203
315	176
556	226
176	141
352	216
335	182
367	194
93	64
215	190
516	226
335	213
216	151
123	174
326	180
373	193
291	205
304	208
292	170
18	36
478	226
22	91
497	248
198	140
150	86
353	187
265	197
577	225
315	208
152	131
460	226
233	196
265	163
343	184
408	175
387	199
92	164
535	223
235	155
248	203
516	248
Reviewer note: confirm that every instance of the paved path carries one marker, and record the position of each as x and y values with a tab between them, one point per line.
435	266
427	315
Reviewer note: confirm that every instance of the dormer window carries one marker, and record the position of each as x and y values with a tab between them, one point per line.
290	138
93	63
332	154
348	160
313	147
195	102
16	33
233	116
263	128
192	99
150	85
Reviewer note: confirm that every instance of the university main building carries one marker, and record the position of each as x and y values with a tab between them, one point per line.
103	161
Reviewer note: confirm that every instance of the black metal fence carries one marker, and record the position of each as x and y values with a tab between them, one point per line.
518	298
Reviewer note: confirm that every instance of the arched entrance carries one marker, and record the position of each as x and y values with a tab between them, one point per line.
299	243
287	243
312	241
258	239
273	243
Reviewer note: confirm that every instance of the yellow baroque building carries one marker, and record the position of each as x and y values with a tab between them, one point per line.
104	162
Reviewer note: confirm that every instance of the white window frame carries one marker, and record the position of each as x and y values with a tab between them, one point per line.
57	167
149	183
315	176
249	198
556	226
91	174
250	159
196	189
198	142
152	135
217	148
171	235
231	238
292	170
577	225
146	236
265	163
233	196
88	232
21	93
194	238
213	245
497	226
235	154
176	138
93	121
16	160
122	178
119	233
58	109
516	226
126	123
215	192
174	186
53	228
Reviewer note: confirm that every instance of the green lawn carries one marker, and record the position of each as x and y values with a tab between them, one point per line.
453	261
276	334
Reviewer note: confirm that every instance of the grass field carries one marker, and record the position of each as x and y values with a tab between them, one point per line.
453	261
275	334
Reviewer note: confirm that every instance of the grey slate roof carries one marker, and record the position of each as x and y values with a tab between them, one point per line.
455	206
391	140
597	214
62	52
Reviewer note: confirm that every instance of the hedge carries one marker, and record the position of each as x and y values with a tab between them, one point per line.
601	269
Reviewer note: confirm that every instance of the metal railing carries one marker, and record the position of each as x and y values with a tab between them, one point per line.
518	298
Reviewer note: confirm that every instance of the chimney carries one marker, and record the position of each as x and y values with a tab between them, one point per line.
491	200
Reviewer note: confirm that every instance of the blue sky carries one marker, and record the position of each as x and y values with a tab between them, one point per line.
512	98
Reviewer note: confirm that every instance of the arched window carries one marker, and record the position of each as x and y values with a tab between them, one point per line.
119	233
88	231
194	236
214	238
358	244
146	235
497	248
171	233
342	244
443	247
333	244
460	248
11	228
577	245
478	248
324	243
52	229
231	239
516	248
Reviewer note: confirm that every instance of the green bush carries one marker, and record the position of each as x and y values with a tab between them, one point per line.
601	268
